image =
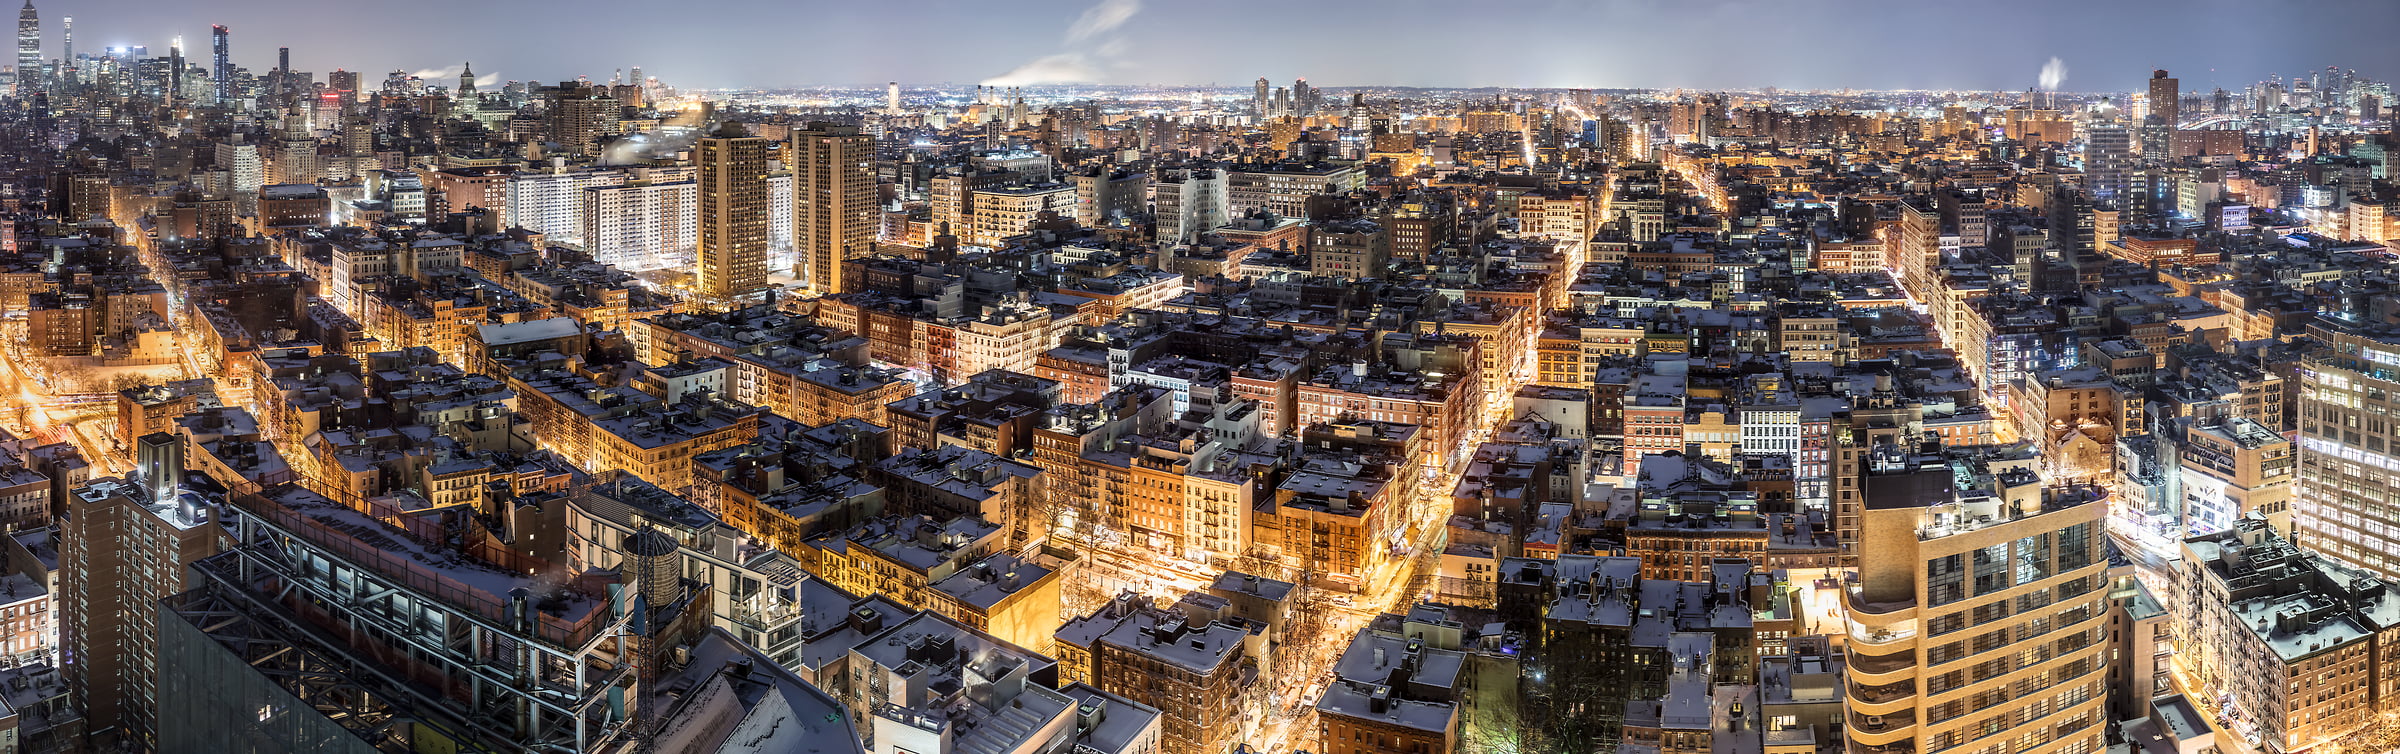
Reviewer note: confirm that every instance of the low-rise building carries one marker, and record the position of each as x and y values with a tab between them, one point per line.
2294	644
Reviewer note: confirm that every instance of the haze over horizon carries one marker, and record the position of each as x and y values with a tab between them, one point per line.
1798	44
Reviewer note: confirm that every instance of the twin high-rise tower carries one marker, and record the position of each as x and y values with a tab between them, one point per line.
834	213
1301	100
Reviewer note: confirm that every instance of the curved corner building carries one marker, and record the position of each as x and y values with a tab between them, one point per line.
1979	622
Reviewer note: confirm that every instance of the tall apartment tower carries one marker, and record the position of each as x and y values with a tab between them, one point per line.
833	196
1980	621
733	168
222	75
123	546
2165	98
29	50
2346	478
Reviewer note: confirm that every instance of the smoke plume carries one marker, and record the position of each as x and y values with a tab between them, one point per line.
677	134
450	74
2053	74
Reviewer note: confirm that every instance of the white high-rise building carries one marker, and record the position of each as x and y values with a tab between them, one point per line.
247	169
642	225
2347	476
2108	159
779	222
1191	202
551	201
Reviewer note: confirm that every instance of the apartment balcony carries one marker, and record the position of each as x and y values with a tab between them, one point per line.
1883	694
1871	633
1874	670
1864	612
1870	729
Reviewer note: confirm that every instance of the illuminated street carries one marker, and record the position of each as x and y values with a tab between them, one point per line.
1125	377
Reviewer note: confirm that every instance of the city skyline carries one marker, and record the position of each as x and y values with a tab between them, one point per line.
1517	377
1819	44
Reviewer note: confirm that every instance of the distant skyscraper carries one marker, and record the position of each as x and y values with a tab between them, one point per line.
1258	100
2108	157
733	167
223	73
175	68
466	83
833	194
891	98
66	37
29	49
345	82
2165	99
583	117
2108	163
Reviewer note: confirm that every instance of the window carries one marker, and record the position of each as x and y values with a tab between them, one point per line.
1991	569
2033	558
1944	580
2075	547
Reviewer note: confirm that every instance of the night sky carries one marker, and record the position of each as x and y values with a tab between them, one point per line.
2106	45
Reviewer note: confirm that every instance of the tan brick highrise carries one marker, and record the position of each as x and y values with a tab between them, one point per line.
834	211
733	169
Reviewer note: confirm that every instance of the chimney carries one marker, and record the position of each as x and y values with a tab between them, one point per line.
866	620
520	620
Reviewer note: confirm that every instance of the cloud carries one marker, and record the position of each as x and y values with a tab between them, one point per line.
1102	18
1091	48
1062	68
2053	74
